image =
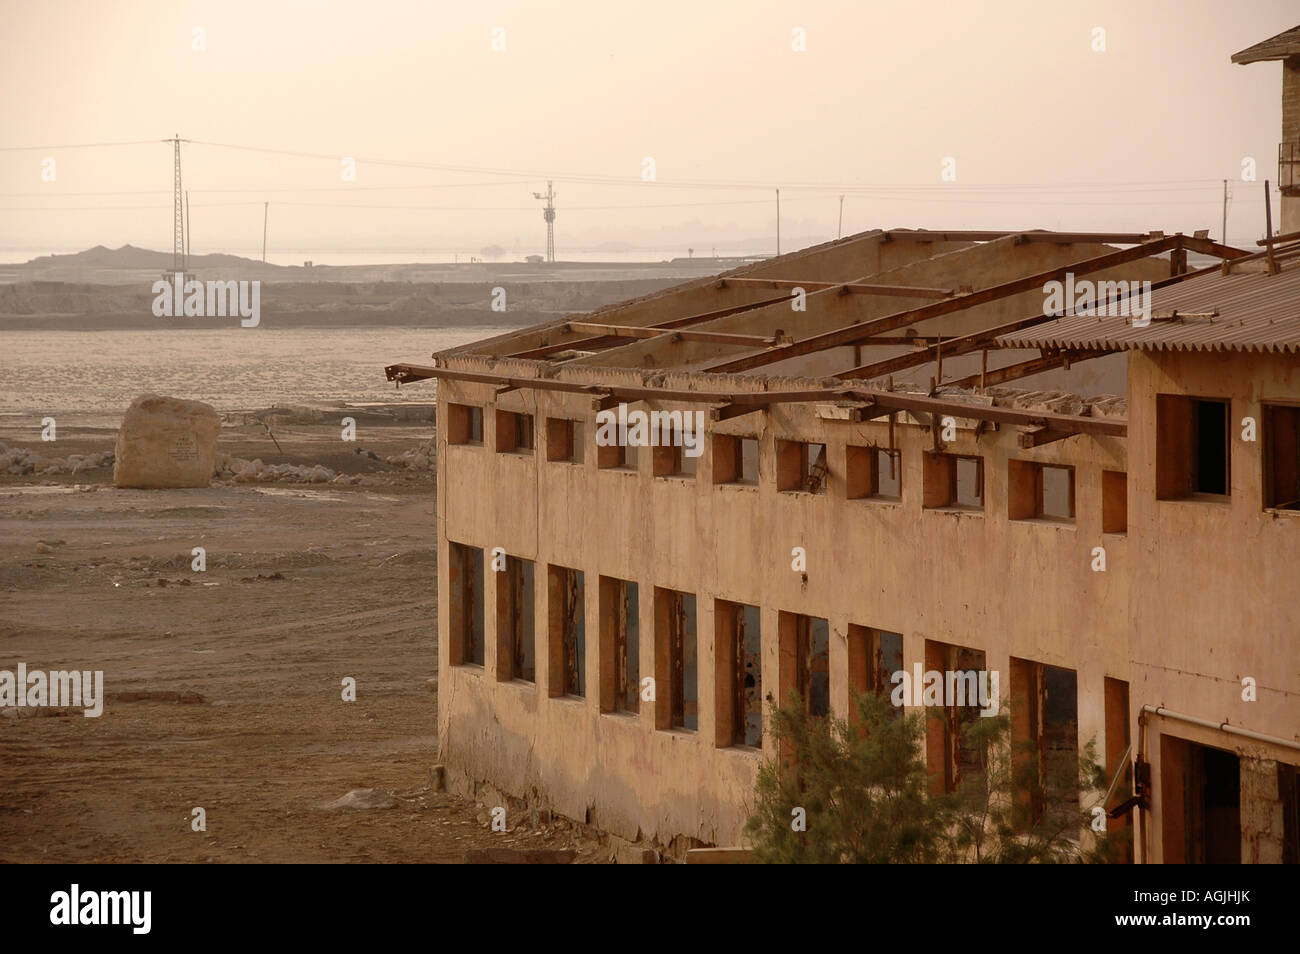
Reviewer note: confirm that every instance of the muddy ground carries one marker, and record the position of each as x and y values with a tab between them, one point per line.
305	585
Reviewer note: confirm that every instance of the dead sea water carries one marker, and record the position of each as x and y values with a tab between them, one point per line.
90	377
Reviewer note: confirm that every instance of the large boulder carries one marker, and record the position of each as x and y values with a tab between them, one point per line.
166	442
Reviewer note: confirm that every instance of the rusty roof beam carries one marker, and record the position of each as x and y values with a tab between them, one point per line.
866	329
1032	437
916	341
887	400
856	288
403	373
728	411
1278	251
1279	239
1209	247
713	337
586	344
901	291
1024	369
613	341
1253	256
728	397
1074	424
1060	238
406	373
980	339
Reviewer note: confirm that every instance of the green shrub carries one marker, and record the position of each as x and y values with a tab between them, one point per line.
864	791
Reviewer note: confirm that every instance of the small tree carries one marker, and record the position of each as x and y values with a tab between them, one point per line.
863	793
992	815
864	789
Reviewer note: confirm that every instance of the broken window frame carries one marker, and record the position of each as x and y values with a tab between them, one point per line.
1040	493
797	653
1275	430
1179	444
466	610
566	632
957	766
869	458
464	424
670	460
671	626
516	433
866	672
877	681
813	470
1114	501
950	463
1030	690
729	460
734	699
895	458
1019	473
564	442
620	689
617	457
516	605
956	502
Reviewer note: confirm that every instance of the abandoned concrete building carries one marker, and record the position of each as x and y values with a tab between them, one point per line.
908	459
1284	48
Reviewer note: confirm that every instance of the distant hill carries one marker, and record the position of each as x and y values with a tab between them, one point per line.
130	265
128	256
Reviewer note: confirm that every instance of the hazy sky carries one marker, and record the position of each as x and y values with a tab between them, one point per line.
584	91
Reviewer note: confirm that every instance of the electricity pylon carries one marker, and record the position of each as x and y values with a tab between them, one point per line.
178	212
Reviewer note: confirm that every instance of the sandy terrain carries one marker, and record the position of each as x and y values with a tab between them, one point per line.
304	585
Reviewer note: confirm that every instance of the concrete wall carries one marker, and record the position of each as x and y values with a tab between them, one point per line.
1195	596
1213	581
1023	589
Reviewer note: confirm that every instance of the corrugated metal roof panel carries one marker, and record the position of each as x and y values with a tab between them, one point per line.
1256	312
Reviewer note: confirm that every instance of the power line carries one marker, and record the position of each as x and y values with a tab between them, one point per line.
405	207
523	208
636	182
691	183
340	190
80	208
264	189
530	175
82	145
917	201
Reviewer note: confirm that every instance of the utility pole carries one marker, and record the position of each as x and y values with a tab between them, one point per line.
1224	235
778	221
549	214
189	249
841	229
1268	230
266	212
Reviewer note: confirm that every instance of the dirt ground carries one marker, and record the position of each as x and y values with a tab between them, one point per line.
305	585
